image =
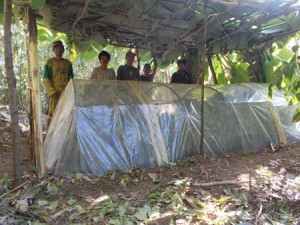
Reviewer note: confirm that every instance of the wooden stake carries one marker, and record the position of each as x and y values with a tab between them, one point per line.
16	188
36	97
216	183
201	80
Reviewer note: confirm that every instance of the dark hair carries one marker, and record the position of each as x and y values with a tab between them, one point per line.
57	43
147	65
181	61
104	53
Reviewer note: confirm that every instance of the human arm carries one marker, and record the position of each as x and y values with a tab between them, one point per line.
190	80
120	73
138	76
94	74
154	69
173	78
114	77
70	72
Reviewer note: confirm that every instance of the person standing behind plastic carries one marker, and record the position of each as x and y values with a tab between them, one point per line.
181	75
148	74
128	71
57	73
102	72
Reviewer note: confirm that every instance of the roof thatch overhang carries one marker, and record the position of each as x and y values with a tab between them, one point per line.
170	27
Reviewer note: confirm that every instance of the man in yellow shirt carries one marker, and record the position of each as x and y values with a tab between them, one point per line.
58	71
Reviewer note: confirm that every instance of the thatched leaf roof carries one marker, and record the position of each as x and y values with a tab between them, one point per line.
169	27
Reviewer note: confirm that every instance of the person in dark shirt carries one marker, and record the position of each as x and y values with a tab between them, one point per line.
128	71
181	75
148	75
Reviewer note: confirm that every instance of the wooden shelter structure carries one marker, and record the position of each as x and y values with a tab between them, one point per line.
167	28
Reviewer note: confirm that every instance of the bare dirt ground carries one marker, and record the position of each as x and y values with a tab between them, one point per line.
254	188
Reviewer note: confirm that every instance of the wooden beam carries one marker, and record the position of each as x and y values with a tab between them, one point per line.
36	97
80	14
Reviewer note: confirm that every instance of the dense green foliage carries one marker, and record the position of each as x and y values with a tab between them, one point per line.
276	63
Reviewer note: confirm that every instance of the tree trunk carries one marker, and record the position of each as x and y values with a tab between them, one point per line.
12	93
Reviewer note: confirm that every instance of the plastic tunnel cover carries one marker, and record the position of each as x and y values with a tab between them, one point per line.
99	126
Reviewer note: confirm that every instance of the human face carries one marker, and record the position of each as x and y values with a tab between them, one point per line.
58	51
103	61
181	67
147	69
130	59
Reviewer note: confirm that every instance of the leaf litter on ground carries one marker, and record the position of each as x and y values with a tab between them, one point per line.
157	196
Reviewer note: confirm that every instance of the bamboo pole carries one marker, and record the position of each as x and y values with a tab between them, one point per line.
36	97
30	109
201	80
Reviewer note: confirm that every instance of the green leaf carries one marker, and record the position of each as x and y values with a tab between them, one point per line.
53	205
296	116
97	219
295	48
121	210
43	202
155	212
79	208
44	34
153	176
43	213
223	199
109	48
294	23
145	57
5	180
90	55
60	183
143	213
294	100
240	73
1	18
1	11
285	54
78	177
37	4
113	175
125	180
284	83
32	169
163	64
71	201
52	189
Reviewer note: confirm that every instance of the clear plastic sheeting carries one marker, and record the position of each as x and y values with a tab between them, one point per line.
99	126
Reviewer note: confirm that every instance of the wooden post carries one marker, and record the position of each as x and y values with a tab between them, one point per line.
36	97
201	80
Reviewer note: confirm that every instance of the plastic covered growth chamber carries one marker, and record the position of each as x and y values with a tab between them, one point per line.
100	126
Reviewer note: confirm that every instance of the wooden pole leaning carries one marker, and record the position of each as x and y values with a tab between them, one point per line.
36	97
201	80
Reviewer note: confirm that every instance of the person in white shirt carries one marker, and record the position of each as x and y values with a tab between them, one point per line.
102	72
